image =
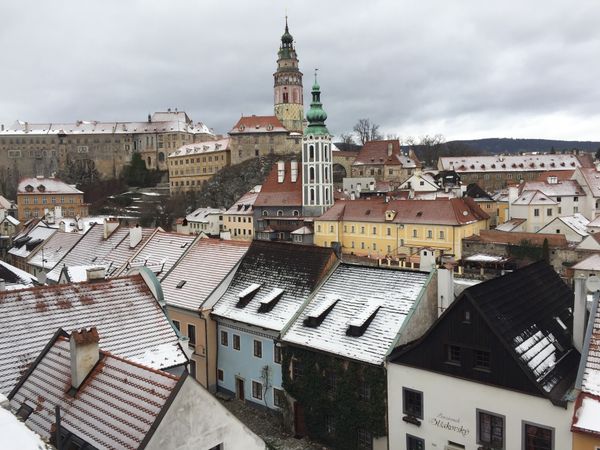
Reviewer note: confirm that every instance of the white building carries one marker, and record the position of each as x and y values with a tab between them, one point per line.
203	220
535	207
495	371
573	227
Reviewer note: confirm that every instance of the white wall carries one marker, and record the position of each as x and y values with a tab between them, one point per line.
453	401
196	420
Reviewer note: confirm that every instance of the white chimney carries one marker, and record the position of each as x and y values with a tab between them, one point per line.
358	187
58	212
62	226
110	225
294	172
513	194
2	285
85	353
390	147
95	273
280	171
135	236
445	289
552	180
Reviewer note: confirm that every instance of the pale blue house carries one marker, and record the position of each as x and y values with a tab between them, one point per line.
271	284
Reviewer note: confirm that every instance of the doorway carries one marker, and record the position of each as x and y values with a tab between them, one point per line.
239	389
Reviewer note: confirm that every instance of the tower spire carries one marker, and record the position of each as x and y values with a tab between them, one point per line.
316	115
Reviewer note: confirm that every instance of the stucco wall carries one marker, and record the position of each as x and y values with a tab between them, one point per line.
196	420
450	407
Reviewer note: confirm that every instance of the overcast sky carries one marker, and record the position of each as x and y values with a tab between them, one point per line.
465	69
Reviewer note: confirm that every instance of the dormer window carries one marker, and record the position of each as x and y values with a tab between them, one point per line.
247	294
41	188
317	315
268	303
359	324
389	215
29	188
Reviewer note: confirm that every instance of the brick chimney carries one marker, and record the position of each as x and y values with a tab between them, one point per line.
85	353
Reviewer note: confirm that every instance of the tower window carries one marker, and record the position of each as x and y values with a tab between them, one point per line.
311	152
286	97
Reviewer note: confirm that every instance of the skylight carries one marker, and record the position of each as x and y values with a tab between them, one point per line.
181	284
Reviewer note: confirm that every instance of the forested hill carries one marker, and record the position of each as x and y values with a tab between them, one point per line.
506	145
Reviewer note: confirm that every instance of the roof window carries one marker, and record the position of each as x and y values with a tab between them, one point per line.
269	302
359	324
181	284
317	315
247	294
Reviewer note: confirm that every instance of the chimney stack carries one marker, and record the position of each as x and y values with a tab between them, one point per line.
294	172
135	236
85	353
2	285
95	273
280	171
110	225
390	147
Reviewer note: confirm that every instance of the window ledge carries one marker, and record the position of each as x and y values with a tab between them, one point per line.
412	419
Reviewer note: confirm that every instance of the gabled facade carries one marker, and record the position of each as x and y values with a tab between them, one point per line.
495	370
573	227
385	161
269	287
335	348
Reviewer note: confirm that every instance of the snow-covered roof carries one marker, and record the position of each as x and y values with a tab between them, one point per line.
296	269
16	435
590	382
577	222
349	297
510	225
534	198
200	271
116	406
303	231
160	252
93	250
41	185
16	278
79	274
200	215
72	225
83	127
510	163
24	245
592	263
245	204
481	257
563	188
199	148
128	318
586	417
11	220
53	249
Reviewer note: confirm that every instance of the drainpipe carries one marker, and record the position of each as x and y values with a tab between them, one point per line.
206	348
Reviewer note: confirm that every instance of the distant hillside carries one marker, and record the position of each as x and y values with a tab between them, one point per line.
506	145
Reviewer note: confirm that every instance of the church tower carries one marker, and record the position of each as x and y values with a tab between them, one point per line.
317	166
289	104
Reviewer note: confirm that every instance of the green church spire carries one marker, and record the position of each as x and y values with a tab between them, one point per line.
316	116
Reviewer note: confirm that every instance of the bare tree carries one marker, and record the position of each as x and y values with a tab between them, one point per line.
367	131
347	138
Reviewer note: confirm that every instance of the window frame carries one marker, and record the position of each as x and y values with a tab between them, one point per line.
525	424
405	410
450	358
276	353
260	390
191	330
224	338
257	354
278	397
408	439
236	337
487	445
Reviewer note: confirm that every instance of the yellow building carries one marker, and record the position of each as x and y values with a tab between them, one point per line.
38	196
191	165
238	219
400	228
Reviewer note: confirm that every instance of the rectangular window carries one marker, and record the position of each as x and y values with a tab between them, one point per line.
389	231
257	391
257	348
236	342
415	233
536	212
374	230
429	234
296	369
278	397
575	199
536	437
442	236
453	354
414	443
193	368
192	334
224	338
220	374
412	403
365	439
331	381
362	230
549	212
490	430
482	359
276	354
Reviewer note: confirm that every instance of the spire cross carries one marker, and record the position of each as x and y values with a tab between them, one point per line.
316	70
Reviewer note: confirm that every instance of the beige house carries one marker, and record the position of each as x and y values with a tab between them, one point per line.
192	165
38	196
191	288
237	220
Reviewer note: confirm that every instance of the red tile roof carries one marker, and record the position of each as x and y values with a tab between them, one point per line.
258	124
128	318
287	193
376	152
443	211
115	407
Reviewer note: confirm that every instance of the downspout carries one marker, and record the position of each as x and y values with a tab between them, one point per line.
206	347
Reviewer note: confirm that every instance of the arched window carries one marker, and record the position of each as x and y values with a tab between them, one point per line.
161	157
311	152
286	97
326	195
327	174
296	213
311	172
265	213
312	196
279	213
149	162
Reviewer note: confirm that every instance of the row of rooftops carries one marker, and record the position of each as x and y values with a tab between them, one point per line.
201	148
509	163
159	122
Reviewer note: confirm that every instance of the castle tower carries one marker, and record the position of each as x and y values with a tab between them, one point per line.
289	103
317	166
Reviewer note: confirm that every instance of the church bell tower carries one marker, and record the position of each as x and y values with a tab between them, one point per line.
289	103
